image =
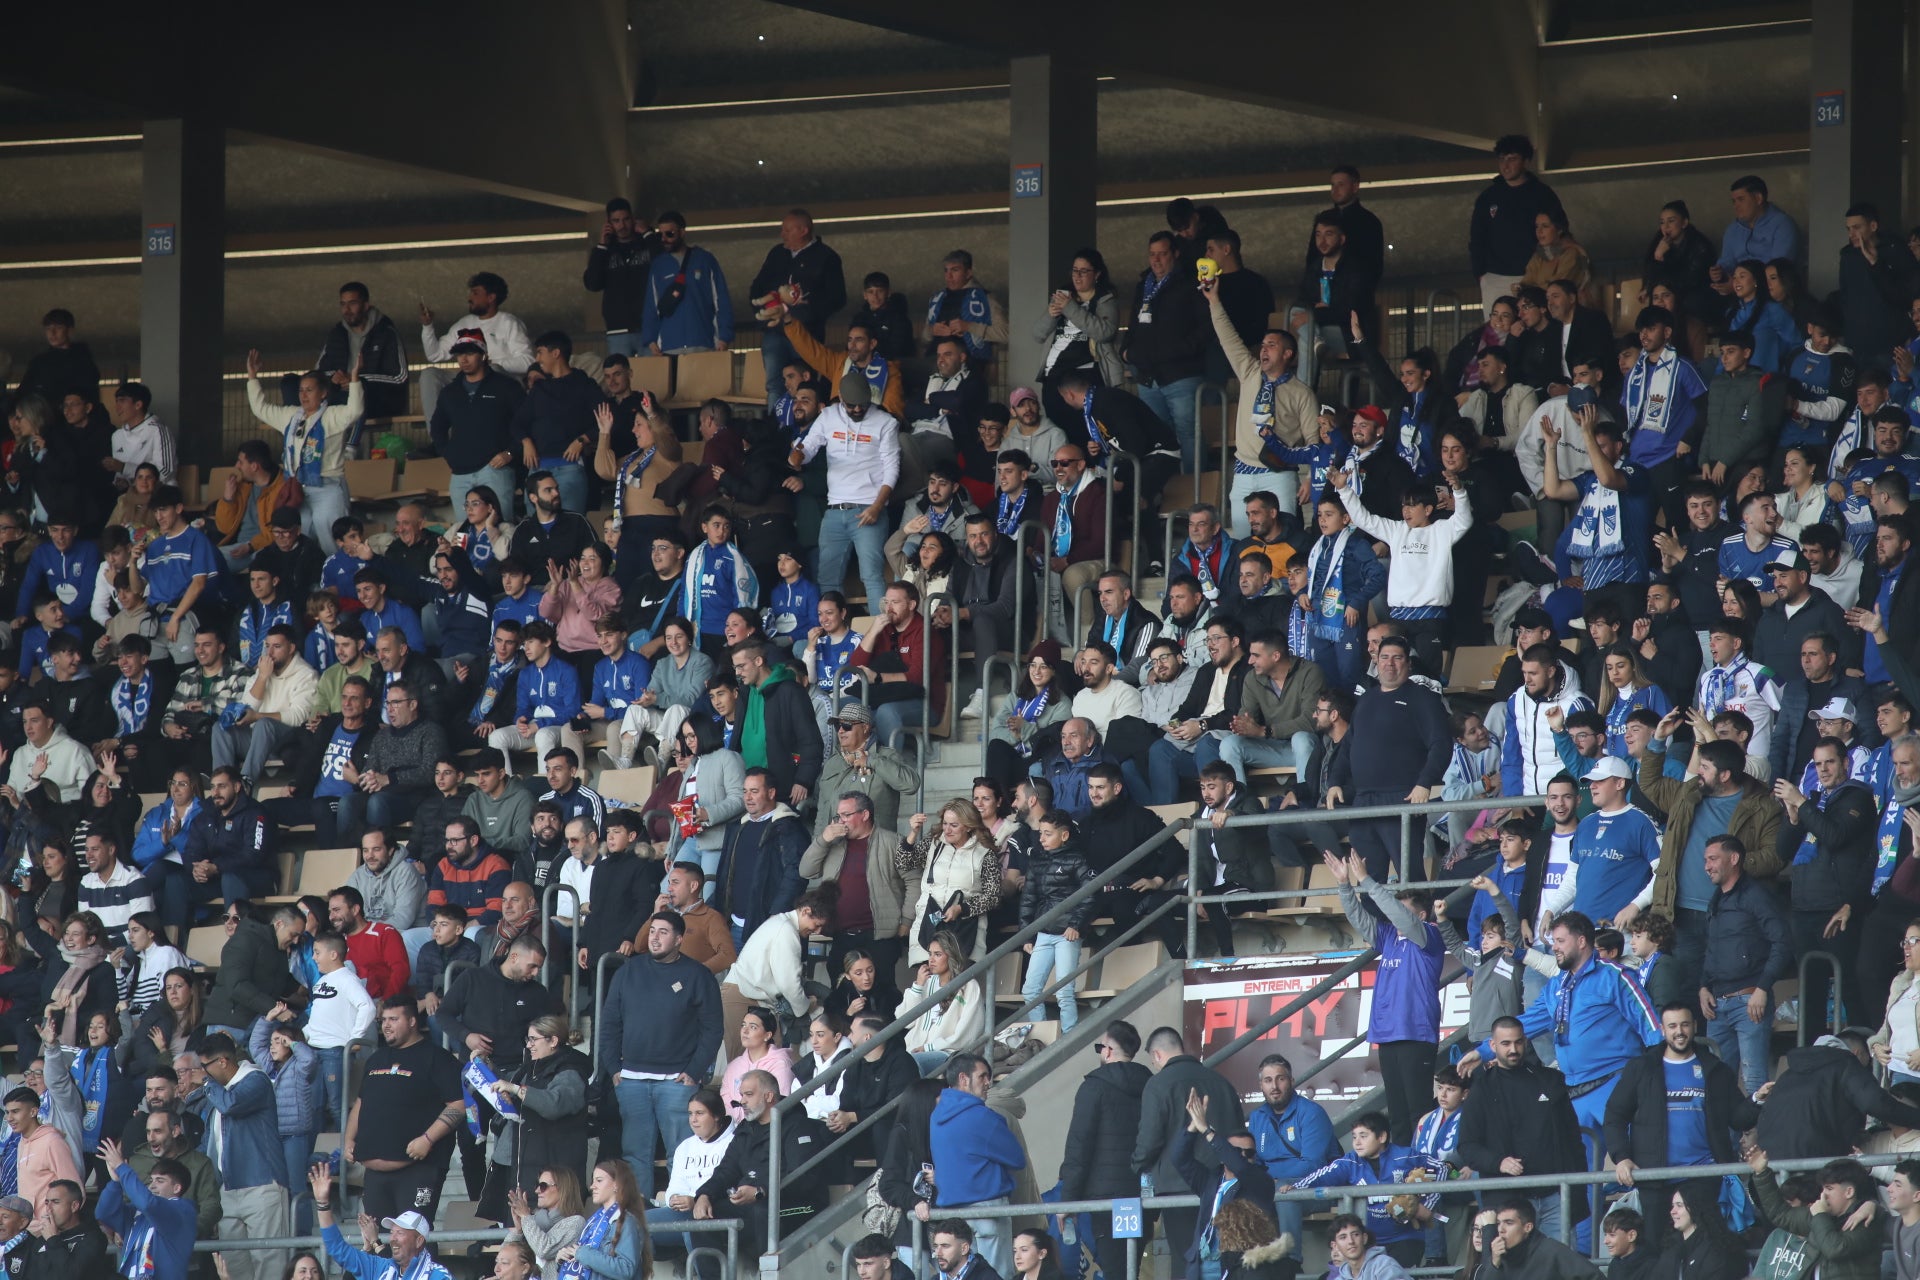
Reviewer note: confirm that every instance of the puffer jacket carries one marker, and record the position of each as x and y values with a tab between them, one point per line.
553	1133
1097	1160
1528	759
1053	877
296	1095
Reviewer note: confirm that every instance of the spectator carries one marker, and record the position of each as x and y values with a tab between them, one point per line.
1103	699
1409	723
1163	1113
41	1155
66	1244
772	965
407	1240
975	1155
617	270
313	452
957	873
952	1023
1079	327
1057	871
406	1077
885	311
1167	340
341	1014
1238	1175
662	1030
1293	1137
813	288
1836	1245
1682	259
1095	1158
1333	286
757	1031
1374	1160
863	465
1525	1248
276	706
283	1053
1831	835
244	1130
447	945
1500	237
759	872
1662	402
742	1172
141	440
506	337
986	580
1213	701
780	734
163	1138
708	939
863	858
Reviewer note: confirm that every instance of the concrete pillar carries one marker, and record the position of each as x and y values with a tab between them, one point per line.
1052	151
1858	100
183	279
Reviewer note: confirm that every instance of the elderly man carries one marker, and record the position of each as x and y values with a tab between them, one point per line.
862	858
1210	556
406	1241
314	441
861	764
1067	769
1074	515
738	1185
276	706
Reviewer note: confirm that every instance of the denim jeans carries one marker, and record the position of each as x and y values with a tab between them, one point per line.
1166	765
1283	485
991	1238
1053	959
1290	1216
1173	401
1243	754
498	479
326	501
841	535
1743	1044
929	1061
892	717
651	1111
250	746
625	344
331	1064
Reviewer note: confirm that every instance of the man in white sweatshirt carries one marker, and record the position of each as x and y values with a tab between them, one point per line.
341	1013
769	970
509	349
274	710
48	757
1528	757
1420	574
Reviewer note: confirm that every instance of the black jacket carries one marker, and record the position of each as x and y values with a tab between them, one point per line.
484	1001
1903	615
892	327
1636	1124
1820	1104
1350	290
473	421
989	588
56	371
1053	877
865	1086
622	895
431	686
1163	1114
298	568
1385	479
746	1164
794	748
1777	638
1525	1112
816	269
81	706
534	544
1133	426
1329	766
79	1254
1114	830
1500	238
1591	339
1675	665
1748	942
1686	270
253	977
962	404
1202	688
1096	1161
1251	1179
1173	343
383	365
1841	871
1242	851
557	412
759	874
617	271
553	1131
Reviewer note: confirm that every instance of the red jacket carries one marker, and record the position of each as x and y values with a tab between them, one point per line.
380	958
1088	518
908	645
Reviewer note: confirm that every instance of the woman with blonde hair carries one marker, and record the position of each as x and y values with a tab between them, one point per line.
553	1220
1625	687
958	1021
956	873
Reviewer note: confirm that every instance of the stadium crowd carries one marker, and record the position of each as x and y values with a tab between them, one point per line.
1703	659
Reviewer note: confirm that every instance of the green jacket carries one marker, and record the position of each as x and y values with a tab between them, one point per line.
1756	821
1833	1253
1291	710
1744	412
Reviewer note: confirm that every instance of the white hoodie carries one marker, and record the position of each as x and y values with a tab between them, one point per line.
68	765
341	1012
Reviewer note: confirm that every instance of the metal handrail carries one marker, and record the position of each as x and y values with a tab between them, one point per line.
600	970
546	921
1118	460
1833	995
1229	423
986	698
1200	394
1020	534
919	763
981	971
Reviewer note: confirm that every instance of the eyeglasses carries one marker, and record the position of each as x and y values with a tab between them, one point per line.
1057	463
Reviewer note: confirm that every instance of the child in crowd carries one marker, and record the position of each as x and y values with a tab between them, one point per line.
1055	871
1319	458
1651	937
520	603
1343	577
323	605
49	618
353	556
116	553
794	605
1495	994
1436	1136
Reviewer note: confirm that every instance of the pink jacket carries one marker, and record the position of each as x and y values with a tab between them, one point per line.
573	607
777	1061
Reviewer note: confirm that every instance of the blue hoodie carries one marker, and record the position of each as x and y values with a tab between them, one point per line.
68	576
974	1149
150	844
1293	1142
129	1208
1389	1168
1609	1021
251	1154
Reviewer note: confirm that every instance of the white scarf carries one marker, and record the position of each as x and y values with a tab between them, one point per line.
1650	392
1597	527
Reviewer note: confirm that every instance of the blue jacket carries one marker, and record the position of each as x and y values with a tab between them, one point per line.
620	681
368	1266
395	614
1775	336
149	846
974	1148
1609	1023
129	1208
1069	779
466	624
248	1115
548	695
705	314
48	570
622	1263
1389	1168
1293	1142
294	1094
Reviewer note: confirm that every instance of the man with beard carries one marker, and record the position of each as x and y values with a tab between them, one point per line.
738	1186
550	532
275	707
1379	475
1116	825
647	601
984	581
1519	1118
540	860
862	448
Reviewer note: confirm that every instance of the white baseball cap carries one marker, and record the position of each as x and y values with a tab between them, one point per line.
1836	709
1610	767
409	1221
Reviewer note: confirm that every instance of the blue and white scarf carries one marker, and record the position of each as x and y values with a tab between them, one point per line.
594	1235
1299	632
479	1078
131	704
1650	392
1263	404
1031	709
875	372
90	1072
1722	683
1809	846
1597	529
1327	588
497	673
1063	518
1006	515
1115	634
1095	431
1887	843
305	447
635	466
255	622
136	1256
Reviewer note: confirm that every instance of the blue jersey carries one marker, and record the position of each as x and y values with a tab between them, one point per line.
69	576
1511	882
255	621
1737	560
549	695
334	762
1406	985
318	649
619	681
830	656
1618	555
33	648
1652	697
719	595
338	573
394	614
1599	1017
170	565
522	609
1613	859
1686	1112
1388	1170
793	610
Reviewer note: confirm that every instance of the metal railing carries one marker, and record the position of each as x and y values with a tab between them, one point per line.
1118	461
546	922
981	971
928	607
1201	394
1831	1013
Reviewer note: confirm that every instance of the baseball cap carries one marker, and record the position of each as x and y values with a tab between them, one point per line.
1020	396
1372	413
1610	767
1836	709
410	1221
1787	560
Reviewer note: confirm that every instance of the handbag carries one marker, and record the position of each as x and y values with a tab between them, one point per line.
878	1216
933	917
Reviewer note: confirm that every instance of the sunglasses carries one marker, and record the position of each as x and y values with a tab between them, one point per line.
543	1185
1057	463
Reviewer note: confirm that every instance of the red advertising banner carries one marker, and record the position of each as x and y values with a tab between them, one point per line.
1224	998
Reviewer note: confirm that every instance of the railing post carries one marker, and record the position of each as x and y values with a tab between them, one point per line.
773	1179
986	698
1406	848
601	967
1193	891
546	920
